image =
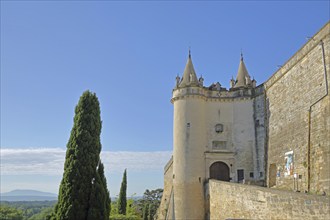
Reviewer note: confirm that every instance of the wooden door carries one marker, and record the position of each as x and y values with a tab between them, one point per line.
219	171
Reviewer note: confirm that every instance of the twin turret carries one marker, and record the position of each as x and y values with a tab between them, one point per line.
197	111
189	78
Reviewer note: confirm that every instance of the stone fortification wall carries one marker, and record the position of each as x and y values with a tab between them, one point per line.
298	116
260	133
238	201
165	205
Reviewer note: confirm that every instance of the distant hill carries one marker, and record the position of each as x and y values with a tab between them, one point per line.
27	195
34	195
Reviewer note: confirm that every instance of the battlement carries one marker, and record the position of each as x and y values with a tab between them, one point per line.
213	93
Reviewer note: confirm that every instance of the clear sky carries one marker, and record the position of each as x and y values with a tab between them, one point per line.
128	53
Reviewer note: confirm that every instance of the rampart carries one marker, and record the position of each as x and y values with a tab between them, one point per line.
239	201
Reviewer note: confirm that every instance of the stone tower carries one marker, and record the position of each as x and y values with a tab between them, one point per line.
214	137
189	145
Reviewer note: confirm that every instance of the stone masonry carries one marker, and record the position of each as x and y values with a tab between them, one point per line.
239	201
298	119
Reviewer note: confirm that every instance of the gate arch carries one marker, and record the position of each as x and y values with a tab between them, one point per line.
219	171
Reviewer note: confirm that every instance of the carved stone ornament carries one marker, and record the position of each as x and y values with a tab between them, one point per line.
219	128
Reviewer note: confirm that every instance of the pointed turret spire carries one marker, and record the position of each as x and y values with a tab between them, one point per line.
189	75
243	78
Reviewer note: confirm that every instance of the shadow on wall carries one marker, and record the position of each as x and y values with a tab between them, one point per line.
267	173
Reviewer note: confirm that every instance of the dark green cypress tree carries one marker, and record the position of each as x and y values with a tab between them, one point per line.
105	186
122	200
151	212
99	203
83	180
146	211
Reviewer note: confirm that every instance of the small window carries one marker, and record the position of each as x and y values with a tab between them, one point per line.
261	174
251	175
188	125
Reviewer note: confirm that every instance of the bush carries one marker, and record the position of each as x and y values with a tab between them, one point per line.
10	213
124	217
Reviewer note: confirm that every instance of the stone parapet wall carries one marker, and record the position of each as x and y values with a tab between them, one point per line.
238	201
168	165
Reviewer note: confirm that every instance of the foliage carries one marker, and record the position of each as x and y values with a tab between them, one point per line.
149	202
124	217
99	207
114	209
83	193
10	213
122	200
146	211
43	215
152	211
29	208
152	199
131	211
131	208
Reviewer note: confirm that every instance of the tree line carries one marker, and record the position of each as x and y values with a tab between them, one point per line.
136	208
26	210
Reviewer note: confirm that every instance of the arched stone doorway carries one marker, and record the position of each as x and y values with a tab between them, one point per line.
219	171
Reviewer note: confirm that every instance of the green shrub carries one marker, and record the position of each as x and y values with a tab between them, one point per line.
124	217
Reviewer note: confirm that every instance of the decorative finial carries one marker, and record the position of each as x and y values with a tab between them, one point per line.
241	54
189	52
177	79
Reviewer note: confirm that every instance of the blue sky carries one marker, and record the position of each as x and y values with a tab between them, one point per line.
129	54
